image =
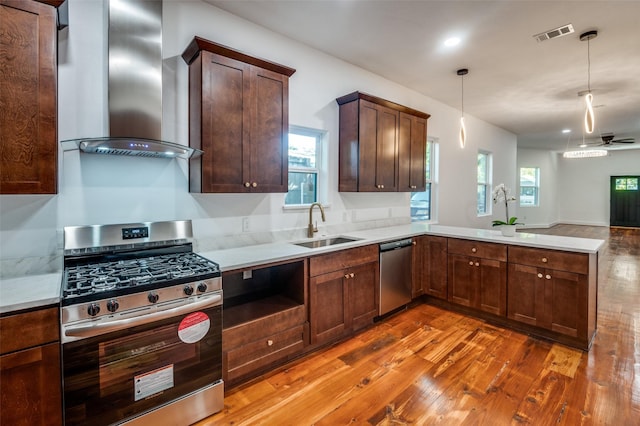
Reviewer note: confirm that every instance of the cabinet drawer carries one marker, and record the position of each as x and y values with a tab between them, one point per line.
260	353
25	330
478	249
262	327
342	259
552	259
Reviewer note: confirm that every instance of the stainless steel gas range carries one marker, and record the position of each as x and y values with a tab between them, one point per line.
141	326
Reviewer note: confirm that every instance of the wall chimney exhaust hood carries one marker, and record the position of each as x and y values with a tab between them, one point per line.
135	86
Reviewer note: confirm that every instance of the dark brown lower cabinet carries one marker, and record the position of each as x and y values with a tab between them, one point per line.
343	293
30	381
547	298
430	267
478	283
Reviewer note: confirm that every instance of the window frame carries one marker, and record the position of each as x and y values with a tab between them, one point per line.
320	136
487	184
431	164
536	187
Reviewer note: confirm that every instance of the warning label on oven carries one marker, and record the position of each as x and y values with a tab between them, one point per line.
153	382
193	327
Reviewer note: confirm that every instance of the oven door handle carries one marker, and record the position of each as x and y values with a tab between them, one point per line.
96	328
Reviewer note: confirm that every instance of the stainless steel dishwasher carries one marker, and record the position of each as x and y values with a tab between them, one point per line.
395	275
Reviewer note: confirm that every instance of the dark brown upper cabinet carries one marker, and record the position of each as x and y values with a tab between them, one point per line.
28	91
239	117
381	145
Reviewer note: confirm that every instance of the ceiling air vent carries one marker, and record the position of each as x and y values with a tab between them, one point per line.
554	33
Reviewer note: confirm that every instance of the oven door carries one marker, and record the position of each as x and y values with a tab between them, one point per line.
121	374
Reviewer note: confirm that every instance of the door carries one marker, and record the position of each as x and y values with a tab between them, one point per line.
362	295
625	201
327	301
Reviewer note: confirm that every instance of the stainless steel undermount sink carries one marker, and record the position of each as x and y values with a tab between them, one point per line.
326	242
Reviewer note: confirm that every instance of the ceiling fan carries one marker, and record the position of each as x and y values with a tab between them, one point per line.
607	139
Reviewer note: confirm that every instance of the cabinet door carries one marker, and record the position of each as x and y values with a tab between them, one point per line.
269	131
28	84
327	303
525	294
567	302
31	387
464	277
225	102
491	291
363	288
412	142
434	279
378	167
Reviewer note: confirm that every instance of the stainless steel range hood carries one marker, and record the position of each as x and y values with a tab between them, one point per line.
135	86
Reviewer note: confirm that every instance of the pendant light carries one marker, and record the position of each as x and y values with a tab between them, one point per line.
463	130
589	118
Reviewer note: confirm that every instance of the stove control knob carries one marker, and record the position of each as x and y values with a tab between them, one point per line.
112	305
93	309
202	287
153	297
188	290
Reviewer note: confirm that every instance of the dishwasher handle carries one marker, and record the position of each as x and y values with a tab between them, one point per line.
394	245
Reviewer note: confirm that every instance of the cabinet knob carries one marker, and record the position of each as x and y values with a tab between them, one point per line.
471	263
269	342
477	263
539	275
473	249
254	184
351	275
346	276
545	260
413	186
548	276
413	243
247	184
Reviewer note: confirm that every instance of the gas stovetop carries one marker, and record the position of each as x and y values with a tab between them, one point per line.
108	261
133	274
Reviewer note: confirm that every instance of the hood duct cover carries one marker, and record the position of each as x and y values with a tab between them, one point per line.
135	85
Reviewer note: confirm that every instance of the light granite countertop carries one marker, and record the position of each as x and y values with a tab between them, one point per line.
250	256
41	290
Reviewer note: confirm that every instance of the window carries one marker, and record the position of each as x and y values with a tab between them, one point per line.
422	202
529	186
626	184
484	183
304	165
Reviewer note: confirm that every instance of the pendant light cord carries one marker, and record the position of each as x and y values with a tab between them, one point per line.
589	65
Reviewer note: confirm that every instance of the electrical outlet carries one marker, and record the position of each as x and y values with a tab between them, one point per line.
245	224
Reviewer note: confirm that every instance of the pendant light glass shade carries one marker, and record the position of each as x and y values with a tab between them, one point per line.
463	130
463	133
589	117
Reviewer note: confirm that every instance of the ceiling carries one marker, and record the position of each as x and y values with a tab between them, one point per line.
527	87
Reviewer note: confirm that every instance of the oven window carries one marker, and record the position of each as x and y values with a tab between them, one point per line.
118	375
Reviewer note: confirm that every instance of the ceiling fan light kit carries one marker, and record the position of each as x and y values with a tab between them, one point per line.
589	118
463	130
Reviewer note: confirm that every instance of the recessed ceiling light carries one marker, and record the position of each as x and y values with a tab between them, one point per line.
452	41
566	130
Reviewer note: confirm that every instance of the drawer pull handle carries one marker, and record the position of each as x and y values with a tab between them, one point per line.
545	260
539	275
474	249
548	277
269	342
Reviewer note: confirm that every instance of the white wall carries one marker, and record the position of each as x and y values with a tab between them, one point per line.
98	189
584	185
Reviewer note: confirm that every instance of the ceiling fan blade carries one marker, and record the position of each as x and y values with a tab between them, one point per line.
624	140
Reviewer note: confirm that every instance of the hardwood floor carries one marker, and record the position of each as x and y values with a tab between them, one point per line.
428	366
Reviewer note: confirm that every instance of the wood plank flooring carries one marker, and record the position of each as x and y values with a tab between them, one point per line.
428	366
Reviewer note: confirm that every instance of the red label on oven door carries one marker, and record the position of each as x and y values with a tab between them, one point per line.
193	327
